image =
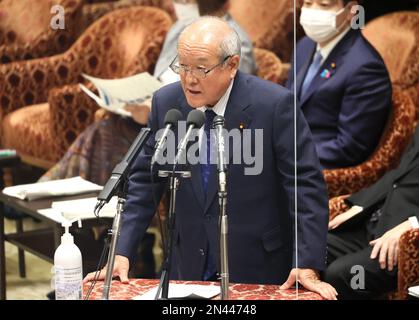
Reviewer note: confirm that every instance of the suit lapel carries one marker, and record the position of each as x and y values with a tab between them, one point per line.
301	74
329	66
235	118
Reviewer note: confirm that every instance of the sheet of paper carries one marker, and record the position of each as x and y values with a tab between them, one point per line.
63	187
79	208
84	208
414	291
114	94
184	291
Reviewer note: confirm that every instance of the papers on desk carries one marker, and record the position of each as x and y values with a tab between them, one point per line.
80	208
115	94
64	187
414	291
184	291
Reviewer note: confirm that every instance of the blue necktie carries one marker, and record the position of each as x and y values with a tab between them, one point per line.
210	268
206	149
311	73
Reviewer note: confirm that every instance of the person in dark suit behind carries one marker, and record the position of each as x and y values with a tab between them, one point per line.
365	238
260	206
342	84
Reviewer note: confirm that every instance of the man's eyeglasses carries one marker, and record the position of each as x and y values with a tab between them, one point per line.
199	73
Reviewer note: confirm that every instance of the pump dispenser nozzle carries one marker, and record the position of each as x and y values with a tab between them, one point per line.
67	238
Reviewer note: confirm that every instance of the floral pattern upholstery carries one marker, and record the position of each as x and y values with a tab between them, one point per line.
270	67
119	44
269	23
399	47
92	12
408	256
35	38
395	138
408	262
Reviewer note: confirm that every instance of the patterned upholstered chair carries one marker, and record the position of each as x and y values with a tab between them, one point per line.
408	256
269	23
121	43
92	12
399	47
26	33
387	155
270	66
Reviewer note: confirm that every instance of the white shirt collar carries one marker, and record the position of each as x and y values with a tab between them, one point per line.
326	50
221	105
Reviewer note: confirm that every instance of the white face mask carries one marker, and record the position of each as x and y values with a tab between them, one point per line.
186	11
320	25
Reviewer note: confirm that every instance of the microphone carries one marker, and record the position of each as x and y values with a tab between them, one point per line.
218	124
195	119
121	169
170	120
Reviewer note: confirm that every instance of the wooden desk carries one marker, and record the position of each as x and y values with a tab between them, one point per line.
135	287
43	242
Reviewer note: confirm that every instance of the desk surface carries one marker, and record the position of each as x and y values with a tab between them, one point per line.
135	287
31	207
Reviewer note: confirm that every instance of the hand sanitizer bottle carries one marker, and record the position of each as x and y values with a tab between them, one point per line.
68	266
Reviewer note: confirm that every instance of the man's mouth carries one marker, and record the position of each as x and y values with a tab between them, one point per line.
193	91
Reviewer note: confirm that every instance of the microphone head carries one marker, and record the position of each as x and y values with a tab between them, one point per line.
218	120
172	117
195	118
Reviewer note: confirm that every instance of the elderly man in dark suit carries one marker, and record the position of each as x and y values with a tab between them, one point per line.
261	206
342	84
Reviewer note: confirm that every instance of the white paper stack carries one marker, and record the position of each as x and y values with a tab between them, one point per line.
184	291
414	291
80	208
64	187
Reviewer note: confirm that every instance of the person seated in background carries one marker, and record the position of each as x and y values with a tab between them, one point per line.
368	234
97	150
342	84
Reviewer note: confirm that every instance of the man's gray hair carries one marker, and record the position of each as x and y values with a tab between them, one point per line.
231	44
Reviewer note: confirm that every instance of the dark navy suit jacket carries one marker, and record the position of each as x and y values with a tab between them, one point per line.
260	207
346	107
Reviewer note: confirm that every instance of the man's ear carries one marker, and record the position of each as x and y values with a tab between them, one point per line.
234	63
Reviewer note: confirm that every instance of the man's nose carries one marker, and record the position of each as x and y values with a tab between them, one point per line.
190	78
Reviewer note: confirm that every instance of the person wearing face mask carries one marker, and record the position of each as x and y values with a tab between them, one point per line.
342	84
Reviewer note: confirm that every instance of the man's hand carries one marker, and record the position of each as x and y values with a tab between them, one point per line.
120	269
386	247
341	218
139	112
310	280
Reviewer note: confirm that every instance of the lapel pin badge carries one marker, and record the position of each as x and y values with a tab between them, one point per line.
326	74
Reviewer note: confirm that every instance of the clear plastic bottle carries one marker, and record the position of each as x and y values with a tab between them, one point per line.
68	266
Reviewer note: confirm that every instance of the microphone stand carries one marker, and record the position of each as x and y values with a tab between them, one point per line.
117	185
174	177
223	223
114	234
218	123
